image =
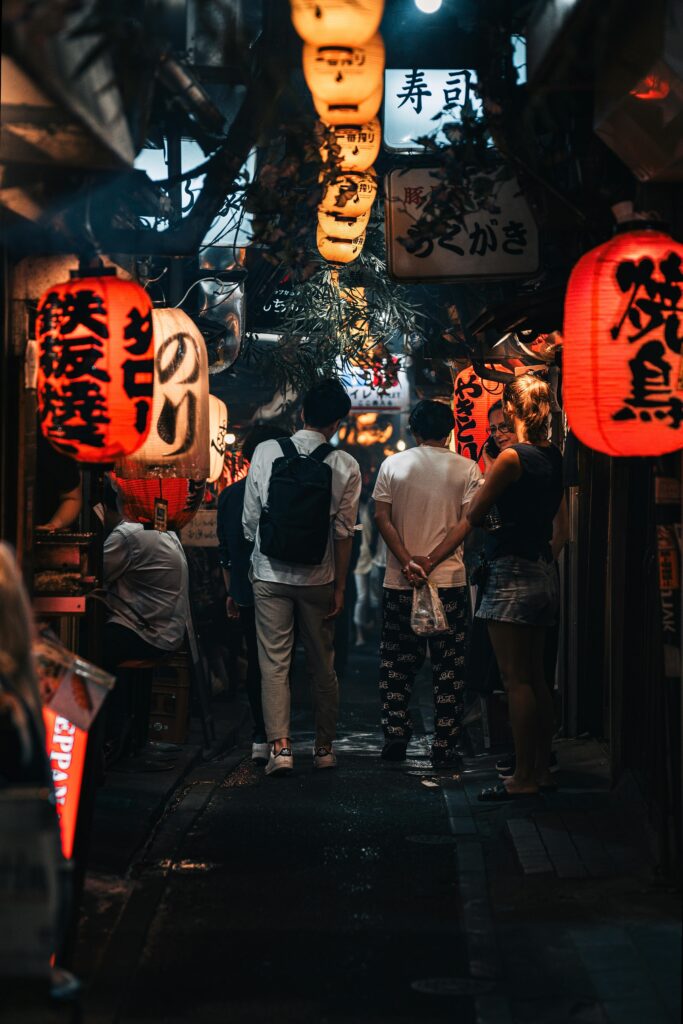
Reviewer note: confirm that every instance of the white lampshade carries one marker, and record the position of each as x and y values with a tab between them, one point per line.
178	441
218	429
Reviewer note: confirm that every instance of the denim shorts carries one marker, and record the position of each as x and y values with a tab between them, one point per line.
522	591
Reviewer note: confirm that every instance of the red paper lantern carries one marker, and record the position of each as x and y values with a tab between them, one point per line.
140	499
472	399
623	376
95	367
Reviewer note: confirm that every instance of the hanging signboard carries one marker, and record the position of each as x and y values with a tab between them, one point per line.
364	396
414	98
270	292
484	245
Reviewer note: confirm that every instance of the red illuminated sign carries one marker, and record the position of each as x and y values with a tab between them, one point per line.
66	746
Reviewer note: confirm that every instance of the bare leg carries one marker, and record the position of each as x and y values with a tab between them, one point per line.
514	646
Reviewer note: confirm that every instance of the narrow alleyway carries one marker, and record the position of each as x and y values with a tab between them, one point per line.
328	896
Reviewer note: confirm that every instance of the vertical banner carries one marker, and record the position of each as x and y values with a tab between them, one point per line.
66	745
667	501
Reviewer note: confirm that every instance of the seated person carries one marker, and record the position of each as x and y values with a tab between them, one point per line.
146	580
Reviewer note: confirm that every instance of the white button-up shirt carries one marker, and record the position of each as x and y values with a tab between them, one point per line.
346	485
145	573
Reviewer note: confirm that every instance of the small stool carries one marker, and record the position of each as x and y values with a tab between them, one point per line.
170	698
138	680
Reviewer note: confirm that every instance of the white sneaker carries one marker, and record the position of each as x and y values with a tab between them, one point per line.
260	752
324	758
280	763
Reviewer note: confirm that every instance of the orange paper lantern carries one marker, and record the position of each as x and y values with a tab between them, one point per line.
339	250
339	226
141	499
358	146
336	113
622	379
344	74
336	22
472	399
350	195
178	441
95	367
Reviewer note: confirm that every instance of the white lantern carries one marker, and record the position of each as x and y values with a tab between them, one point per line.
339	250
218	429
336	22
350	195
338	226
178	441
335	113
358	146
344	74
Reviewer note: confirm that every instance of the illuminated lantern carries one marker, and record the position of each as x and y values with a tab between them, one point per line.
358	146
338	226
622	382
336	113
344	74
336	22
218	429
177	498
472	399
350	195
339	250
178	442
95	367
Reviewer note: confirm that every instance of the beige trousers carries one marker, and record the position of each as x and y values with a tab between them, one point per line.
277	605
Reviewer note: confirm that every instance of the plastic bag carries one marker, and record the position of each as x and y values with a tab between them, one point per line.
428	617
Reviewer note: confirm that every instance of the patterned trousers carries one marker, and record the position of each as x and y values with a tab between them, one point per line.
402	654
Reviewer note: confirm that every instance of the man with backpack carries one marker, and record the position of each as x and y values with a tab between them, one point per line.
300	509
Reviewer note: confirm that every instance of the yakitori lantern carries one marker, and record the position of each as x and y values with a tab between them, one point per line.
167	504
472	399
344	74
178	442
95	367
622	372
218	429
336	113
339	226
336	22
351	195
358	146
339	250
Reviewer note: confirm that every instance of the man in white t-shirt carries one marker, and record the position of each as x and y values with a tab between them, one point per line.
420	498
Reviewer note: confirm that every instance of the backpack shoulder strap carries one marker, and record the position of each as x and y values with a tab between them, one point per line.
321	452
289	449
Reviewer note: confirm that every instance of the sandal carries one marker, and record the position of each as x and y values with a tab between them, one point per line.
501	794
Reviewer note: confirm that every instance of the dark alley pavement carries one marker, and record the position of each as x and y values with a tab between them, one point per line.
374	893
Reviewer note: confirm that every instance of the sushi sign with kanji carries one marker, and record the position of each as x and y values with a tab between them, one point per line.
485	244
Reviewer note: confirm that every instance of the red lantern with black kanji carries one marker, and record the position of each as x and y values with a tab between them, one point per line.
169	502
623	332
95	367
472	399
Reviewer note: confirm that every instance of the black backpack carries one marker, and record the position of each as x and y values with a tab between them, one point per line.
295	524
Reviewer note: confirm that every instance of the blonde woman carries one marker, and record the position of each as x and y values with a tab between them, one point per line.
523	488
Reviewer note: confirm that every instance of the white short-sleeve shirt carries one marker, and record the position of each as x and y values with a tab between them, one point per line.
427	489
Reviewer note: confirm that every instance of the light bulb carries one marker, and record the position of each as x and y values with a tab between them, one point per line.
230	438
428	6
401	446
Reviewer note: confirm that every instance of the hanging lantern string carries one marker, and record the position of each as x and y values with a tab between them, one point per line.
201	280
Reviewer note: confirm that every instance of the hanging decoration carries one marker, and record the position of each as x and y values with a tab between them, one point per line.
336	22
350	113
339	226
218	429
472	399
352	147
176	498
95	367
350	194
622	367
178	442
339	250
344	74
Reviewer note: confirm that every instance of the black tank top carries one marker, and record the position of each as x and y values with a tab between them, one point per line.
529	505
